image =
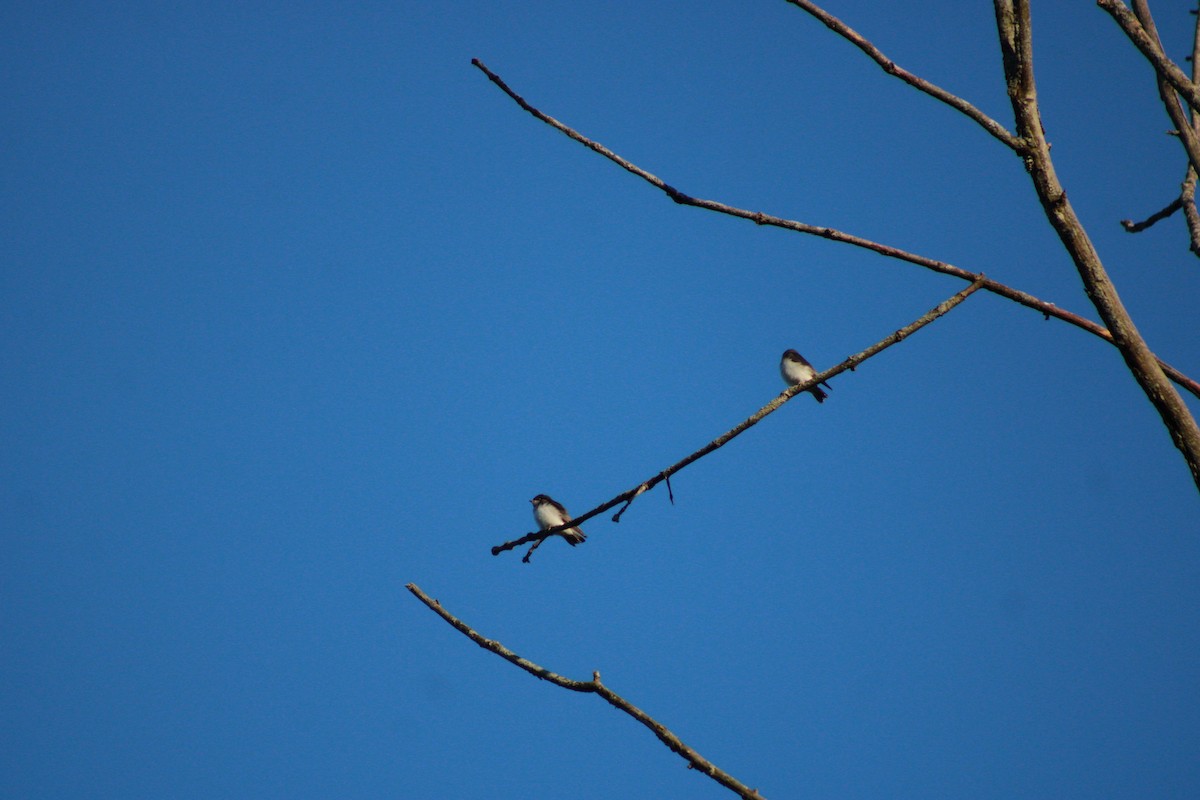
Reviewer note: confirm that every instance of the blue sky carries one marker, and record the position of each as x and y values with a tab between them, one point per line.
297	308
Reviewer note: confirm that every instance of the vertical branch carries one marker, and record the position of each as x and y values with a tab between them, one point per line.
1188	198
1016	47
1189	183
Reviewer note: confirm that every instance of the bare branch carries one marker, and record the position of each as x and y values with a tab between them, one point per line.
1016	44
1179	117
594	686
850	363
1185	128
920	84
1047	309
1196	51
1137	227
1152	51
1188	196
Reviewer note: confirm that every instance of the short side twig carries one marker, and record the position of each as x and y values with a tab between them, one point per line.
594	686
1023	298
920	84
1137	227
850	363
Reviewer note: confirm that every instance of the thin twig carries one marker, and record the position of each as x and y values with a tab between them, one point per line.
594	686
1152	51
850	363
995	287
1137	227
920	84
529	553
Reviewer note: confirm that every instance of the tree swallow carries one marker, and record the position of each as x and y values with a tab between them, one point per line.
795	369
550	514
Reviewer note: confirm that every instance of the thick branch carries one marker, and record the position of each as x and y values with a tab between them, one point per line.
1016	45
920	84
1046	308
850	363
1151	50
594	686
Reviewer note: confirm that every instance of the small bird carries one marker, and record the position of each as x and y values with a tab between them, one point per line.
795	369
550	514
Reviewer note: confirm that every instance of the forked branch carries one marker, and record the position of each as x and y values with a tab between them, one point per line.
1185	127
850	363
1166	92
920	84
594	686
1150	48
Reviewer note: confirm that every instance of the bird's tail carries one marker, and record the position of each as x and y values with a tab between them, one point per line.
573	536
819	393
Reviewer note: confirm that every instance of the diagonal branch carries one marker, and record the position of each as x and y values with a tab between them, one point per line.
1185	127
1016	45
920	84
594	686
850	363
1137	227
1189	183
1179	117
1150	48
1023	298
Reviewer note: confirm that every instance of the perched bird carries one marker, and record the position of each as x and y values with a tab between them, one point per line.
550	514
795	369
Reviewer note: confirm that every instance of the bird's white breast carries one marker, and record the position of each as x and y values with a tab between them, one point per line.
547	516
794	372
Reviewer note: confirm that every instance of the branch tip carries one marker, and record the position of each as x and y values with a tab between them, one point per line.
673	742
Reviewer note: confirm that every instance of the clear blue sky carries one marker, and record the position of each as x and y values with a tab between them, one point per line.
296	308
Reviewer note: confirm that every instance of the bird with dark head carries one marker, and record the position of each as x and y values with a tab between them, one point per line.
795	369
550	514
